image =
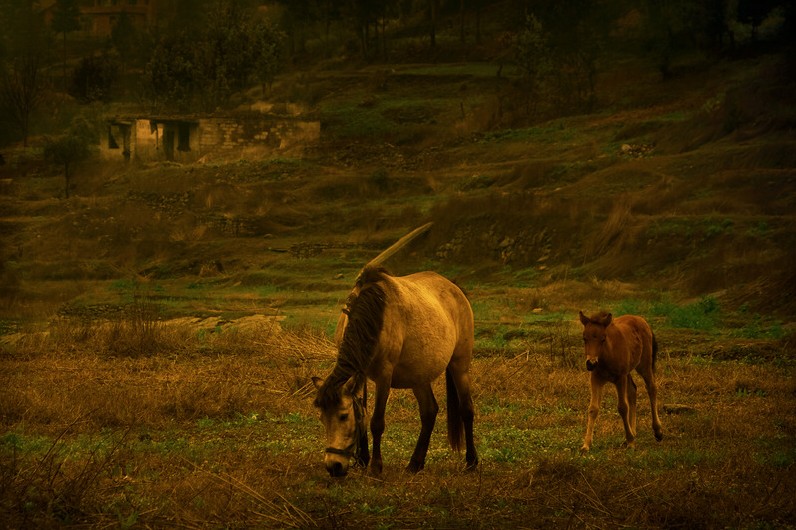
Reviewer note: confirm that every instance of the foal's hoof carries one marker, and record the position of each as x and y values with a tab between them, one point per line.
471	466
629	445
659	436
584	449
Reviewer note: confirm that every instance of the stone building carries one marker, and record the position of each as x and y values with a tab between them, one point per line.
186	139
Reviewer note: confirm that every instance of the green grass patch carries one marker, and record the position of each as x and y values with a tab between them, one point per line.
356	121
704	314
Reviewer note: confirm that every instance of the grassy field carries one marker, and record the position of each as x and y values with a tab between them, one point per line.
221	432
159	328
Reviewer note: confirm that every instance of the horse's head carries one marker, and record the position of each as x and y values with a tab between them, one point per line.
594	337
342	415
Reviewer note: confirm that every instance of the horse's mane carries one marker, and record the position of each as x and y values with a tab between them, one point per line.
365	321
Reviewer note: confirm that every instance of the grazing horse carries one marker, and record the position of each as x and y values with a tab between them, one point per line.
401	332
614	347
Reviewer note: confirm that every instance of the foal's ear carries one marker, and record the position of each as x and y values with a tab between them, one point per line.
606	321
317	381
583	319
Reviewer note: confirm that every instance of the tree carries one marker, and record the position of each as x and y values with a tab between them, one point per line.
172	74
66	19
754	12
125	39
269	42
93	78
70	148
21	90
207	66
433	12
24	45
228	58
533	57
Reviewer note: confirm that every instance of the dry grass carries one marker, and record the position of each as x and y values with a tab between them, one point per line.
227	436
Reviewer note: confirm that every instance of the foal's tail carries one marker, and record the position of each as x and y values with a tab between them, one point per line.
455	423
654	351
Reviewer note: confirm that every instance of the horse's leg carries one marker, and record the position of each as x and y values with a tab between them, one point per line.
428	417
363	455
624	410
597	385
461	382
652	391
632	393
377	424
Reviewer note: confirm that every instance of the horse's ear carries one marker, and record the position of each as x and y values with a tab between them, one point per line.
583	319
350	386
317	381
607	320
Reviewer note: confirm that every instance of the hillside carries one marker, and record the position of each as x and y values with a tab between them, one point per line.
160	327
675	190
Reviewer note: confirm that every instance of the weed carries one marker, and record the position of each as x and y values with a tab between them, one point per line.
703	314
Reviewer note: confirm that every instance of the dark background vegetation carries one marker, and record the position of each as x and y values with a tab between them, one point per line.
159	323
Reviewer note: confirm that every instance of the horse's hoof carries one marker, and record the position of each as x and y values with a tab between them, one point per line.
414	467
471	466
659	436
584	449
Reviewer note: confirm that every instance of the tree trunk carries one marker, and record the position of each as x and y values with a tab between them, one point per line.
67	177
461	21
433	16
65	86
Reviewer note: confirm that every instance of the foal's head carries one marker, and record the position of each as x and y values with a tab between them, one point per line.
594	337
342	418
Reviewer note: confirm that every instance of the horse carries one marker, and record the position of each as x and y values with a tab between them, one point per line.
614	348
400	332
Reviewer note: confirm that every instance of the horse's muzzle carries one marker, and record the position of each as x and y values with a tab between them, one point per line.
336	469
590	365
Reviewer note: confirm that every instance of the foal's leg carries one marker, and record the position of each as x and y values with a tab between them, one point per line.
597	385
622	385
428	416
377	424
631	400
652	391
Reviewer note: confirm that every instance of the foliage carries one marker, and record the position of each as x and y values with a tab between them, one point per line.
93	78
207	66
533	57
133	45
70	148
66	16
269	53
172	74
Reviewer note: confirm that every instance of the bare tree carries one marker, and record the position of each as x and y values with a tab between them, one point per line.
21	90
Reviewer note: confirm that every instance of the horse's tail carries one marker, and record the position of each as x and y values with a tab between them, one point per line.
393	249
455	423
654	351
